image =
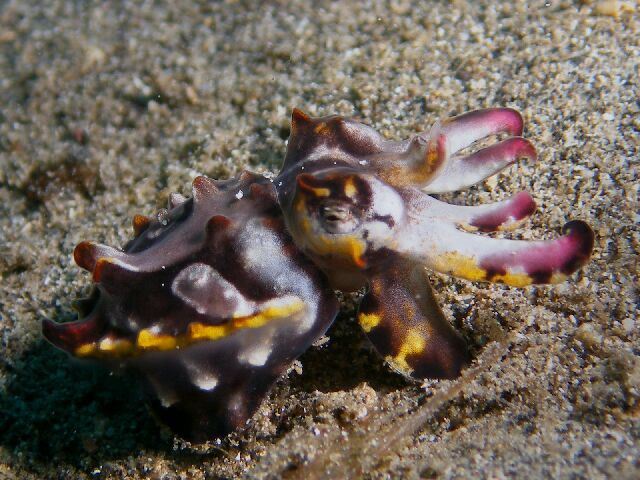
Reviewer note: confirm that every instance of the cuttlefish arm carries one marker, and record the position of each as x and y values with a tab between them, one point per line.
442	237
434	162
405	324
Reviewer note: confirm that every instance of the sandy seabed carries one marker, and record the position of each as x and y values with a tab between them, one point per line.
105	108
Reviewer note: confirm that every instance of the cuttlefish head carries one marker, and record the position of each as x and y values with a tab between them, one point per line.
345	221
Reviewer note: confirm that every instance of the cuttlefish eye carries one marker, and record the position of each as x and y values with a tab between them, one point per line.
337	217
331	201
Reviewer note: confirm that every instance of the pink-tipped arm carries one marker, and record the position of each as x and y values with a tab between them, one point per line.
466	129
460	172
490	217
518	263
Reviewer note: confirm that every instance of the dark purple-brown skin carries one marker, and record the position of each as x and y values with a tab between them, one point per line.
215	297
204	260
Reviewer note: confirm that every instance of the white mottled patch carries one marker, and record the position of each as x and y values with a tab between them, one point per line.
306	320
155	329
379	234
201	378
166	395
386	201
256	355
261	248
133	323
262	256
196	283
205	382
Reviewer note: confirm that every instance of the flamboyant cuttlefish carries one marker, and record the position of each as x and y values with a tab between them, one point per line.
215	297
